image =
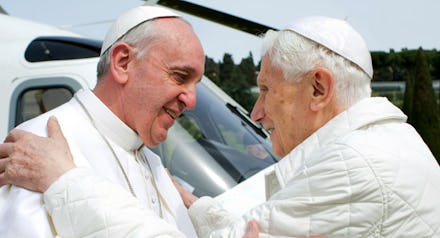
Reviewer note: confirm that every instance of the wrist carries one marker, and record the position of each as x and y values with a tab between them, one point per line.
45	184
189	200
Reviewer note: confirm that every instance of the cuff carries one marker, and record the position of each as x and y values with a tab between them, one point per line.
201	205
55	195
208	215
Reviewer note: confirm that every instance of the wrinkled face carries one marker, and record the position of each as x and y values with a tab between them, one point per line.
282	108
162	84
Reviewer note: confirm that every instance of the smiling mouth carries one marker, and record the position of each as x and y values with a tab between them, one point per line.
174	115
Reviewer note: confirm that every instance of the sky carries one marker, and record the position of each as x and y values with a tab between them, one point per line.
385	24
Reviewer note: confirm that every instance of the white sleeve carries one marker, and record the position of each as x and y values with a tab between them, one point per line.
211	220
84	205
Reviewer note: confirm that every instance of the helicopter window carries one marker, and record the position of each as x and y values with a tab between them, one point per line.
190	125
34	102
61	48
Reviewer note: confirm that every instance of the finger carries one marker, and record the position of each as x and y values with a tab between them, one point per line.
14	135
5	150
252	230
54	129
3	163
2	179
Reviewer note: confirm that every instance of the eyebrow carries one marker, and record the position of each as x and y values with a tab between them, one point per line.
188	69
184	68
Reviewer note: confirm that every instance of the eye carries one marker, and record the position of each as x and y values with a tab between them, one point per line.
180	77
263	89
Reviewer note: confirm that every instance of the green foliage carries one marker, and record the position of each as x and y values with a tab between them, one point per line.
236	80
423	111
212	70
433	58
394	66
409	96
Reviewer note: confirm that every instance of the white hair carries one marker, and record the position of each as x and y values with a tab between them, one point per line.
141	38
296	56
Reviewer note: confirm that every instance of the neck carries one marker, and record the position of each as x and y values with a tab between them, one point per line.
328	113
110	95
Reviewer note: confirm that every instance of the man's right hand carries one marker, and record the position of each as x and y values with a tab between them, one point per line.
34	162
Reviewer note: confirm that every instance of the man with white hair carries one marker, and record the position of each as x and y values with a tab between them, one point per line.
351	167
151	61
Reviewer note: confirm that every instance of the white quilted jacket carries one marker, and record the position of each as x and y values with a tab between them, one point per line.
366	173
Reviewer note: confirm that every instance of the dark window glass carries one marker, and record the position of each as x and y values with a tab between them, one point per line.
34	102
61	48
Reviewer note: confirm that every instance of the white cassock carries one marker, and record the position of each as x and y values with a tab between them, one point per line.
97	139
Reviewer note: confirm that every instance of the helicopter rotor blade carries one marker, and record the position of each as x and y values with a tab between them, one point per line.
210	14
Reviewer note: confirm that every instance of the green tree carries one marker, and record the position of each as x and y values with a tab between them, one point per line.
212	70
408	97
435	63
409	58
423	113
381	65
227	73
395	60
234	79
229	76
379	59
248	77
249	70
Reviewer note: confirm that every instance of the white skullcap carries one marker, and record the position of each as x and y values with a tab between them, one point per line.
131	19
338	36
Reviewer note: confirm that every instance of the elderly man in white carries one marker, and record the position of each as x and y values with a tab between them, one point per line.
139	94
351	167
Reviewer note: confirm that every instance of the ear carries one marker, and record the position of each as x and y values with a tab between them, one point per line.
120	57
323	88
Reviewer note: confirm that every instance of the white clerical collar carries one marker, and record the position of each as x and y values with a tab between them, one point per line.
108	123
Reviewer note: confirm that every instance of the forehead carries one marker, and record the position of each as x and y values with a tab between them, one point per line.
178	45
174	27
268	71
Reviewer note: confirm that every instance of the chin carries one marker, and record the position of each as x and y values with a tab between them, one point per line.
153	145
278	152
161	138
151	141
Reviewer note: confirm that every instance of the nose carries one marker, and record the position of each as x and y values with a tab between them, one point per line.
188	98
257	113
